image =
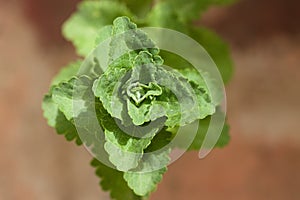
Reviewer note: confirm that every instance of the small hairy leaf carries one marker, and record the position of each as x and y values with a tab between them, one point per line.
216	48
66	128
67	72
50	110
112	180
202	131
163	15
125	150
83	26
58	120
191	9
145	178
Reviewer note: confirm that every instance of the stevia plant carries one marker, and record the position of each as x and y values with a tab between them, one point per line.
128	110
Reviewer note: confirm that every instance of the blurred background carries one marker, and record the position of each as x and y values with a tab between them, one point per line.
262	160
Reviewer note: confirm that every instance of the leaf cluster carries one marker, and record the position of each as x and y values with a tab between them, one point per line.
128	112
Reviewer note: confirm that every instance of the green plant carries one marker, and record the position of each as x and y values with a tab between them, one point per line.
138	87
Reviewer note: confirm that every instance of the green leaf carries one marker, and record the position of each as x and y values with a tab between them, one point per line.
66	128
175	14
83	26
125	150
163	15
120	63
201	133
113	181
53	114
139	71
145	178
160	140
207	99
144	183
63	97
188	10
124	55
139	8
50	110
58	120
216	48
70	97
104	87
178	99
49	107
139	115
141	90
103	34
66	73
75	95
76	100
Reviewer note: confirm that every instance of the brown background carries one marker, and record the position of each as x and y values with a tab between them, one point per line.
261	162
